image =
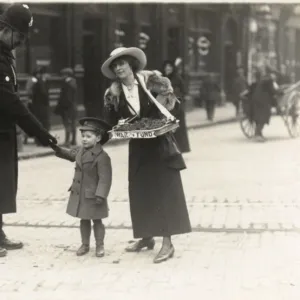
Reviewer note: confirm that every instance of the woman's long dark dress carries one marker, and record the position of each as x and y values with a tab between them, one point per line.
157	201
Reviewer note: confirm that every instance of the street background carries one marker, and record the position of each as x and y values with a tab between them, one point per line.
244	208
242	196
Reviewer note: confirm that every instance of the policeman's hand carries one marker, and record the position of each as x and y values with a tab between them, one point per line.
99	200
46	139
52	139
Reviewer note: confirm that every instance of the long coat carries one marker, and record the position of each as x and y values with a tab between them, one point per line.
181	134
92	178
262	97
12	112
156	196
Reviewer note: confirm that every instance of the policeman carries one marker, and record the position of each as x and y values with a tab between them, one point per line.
14	27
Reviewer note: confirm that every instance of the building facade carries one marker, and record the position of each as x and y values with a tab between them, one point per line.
272	36
207	37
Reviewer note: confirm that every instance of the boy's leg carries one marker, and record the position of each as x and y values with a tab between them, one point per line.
99	233
85	232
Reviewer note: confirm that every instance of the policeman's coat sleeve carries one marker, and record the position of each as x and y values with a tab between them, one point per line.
11	105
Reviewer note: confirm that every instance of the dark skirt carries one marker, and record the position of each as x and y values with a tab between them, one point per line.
157	201
181	134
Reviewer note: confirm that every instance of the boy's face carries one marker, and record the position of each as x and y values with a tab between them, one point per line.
90	139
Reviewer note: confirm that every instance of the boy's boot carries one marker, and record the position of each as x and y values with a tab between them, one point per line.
85	231
99	232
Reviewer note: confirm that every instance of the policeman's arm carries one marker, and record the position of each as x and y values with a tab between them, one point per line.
11	105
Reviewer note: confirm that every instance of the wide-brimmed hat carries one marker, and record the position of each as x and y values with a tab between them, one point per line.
18	17
97	125
121	51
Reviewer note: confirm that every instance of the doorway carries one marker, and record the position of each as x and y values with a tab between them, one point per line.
174	43
93	83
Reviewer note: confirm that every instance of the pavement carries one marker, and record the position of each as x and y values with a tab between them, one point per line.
243	203
195	118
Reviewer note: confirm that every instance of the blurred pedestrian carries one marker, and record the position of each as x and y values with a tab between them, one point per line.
67	105
239	86
210	94
284	78
91	183
181	134
37	88
178	63
263	96
14	28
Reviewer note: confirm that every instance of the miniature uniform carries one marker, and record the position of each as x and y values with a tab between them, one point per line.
92	180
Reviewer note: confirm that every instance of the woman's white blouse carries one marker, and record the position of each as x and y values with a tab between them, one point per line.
132	96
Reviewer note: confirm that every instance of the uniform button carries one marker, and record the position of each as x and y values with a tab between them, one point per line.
78	181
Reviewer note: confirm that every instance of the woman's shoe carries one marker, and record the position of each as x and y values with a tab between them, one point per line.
100	251
164	255
139	245
83	249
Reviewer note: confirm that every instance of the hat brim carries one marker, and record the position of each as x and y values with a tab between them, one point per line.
133	51
104	126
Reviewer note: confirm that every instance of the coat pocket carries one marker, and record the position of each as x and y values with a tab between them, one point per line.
90	194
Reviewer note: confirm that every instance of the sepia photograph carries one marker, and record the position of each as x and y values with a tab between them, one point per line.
149	150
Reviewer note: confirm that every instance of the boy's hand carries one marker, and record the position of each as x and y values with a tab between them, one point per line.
99	200
54	147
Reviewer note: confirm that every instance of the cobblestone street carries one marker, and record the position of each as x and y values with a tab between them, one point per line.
244	208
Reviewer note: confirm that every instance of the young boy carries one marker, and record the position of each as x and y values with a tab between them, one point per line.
91	183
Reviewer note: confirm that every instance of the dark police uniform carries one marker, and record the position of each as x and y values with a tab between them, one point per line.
13	112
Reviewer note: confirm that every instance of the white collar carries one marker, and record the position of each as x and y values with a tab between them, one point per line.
135	82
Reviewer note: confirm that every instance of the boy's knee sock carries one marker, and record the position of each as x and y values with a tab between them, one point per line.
99	232
85	231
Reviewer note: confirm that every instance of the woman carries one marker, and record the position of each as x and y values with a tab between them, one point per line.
181	135
156	196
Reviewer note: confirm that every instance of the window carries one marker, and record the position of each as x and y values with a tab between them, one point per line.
200	41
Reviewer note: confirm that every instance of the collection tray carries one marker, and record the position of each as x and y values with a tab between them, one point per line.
143	134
